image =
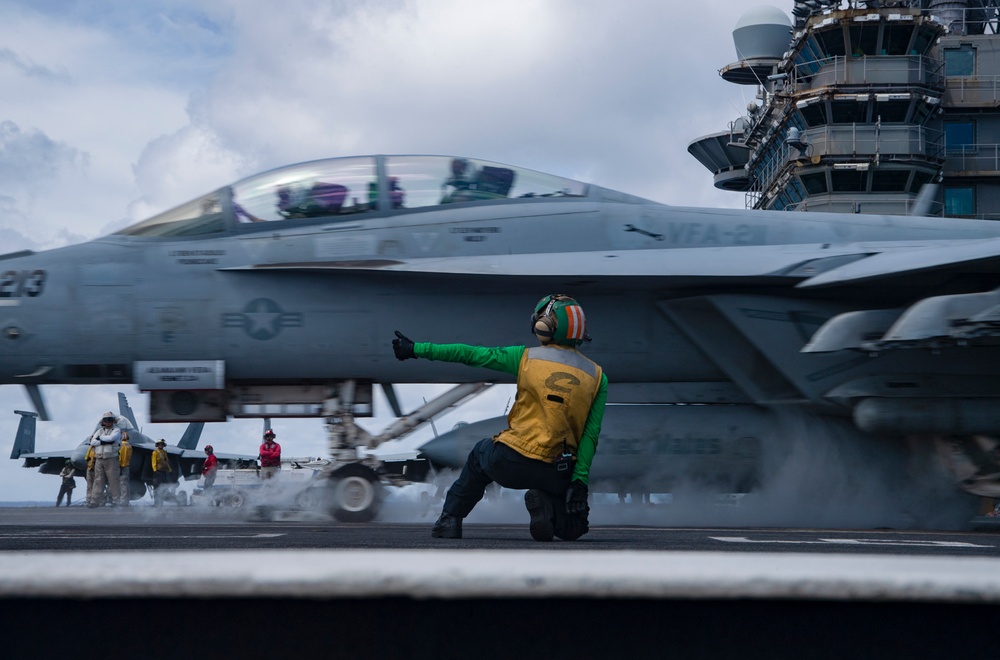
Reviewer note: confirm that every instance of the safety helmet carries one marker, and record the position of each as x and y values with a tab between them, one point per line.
559	319
209	449
269	433
161	441
109	415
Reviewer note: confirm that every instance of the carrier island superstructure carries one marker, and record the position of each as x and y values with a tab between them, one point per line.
859	105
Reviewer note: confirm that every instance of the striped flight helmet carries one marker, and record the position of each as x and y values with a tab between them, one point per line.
558	319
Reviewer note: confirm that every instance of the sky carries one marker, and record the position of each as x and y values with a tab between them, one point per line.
114	111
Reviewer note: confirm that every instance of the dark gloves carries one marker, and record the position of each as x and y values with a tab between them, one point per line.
402	346
576	498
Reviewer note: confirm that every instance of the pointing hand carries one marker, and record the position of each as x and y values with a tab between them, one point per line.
402	346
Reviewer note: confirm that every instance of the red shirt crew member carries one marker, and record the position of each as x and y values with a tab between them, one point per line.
210	467
270	456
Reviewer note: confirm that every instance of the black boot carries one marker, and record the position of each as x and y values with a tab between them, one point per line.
447	527
540	507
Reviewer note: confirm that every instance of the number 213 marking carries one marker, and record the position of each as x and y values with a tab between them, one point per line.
15	284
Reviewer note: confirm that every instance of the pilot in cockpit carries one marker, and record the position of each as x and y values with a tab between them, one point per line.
320	199
463	175
397	194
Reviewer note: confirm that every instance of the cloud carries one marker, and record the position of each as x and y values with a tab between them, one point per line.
32	167
29	68
30	159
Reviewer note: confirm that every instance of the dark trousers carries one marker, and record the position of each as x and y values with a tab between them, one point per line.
66	490
159	478
494	461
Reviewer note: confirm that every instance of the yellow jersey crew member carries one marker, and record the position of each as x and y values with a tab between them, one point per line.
161	470
553	425
125	475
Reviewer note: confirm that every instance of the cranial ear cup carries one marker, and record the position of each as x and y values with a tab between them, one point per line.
544	328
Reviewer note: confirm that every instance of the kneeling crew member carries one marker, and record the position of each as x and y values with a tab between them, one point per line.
552	429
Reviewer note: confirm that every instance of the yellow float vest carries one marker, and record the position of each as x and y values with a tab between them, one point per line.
555	388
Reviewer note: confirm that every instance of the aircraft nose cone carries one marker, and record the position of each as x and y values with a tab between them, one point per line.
444	450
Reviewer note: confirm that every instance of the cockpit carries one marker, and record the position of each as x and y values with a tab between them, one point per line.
351	186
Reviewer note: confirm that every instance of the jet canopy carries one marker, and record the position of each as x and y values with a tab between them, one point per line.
350	186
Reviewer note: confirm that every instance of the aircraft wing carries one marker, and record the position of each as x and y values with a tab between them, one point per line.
815	265
794	261
199	456
235	457
984	252
50	462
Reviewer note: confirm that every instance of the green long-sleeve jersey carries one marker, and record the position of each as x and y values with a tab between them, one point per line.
507	359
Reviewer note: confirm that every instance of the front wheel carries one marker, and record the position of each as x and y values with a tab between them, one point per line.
357	493
234	499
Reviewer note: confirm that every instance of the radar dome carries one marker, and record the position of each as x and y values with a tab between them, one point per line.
762	33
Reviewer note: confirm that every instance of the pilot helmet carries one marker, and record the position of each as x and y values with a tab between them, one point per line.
109	416
559	319
209	449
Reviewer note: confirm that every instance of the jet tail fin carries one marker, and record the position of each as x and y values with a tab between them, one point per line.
35	394
126	410
191	435
24	441
925	198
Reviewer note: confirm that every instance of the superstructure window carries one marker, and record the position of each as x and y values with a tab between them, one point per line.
849	180
848	112
809	60
892	111
959	201
832	42
897	39
959	137
815	184
813	111
960	61
924	41
864	40
890	180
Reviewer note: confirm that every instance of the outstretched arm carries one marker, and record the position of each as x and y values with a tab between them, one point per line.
501	358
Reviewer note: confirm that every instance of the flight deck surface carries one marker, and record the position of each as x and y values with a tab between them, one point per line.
388	588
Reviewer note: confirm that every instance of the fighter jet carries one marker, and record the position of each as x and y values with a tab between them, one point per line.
185	459
277	295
